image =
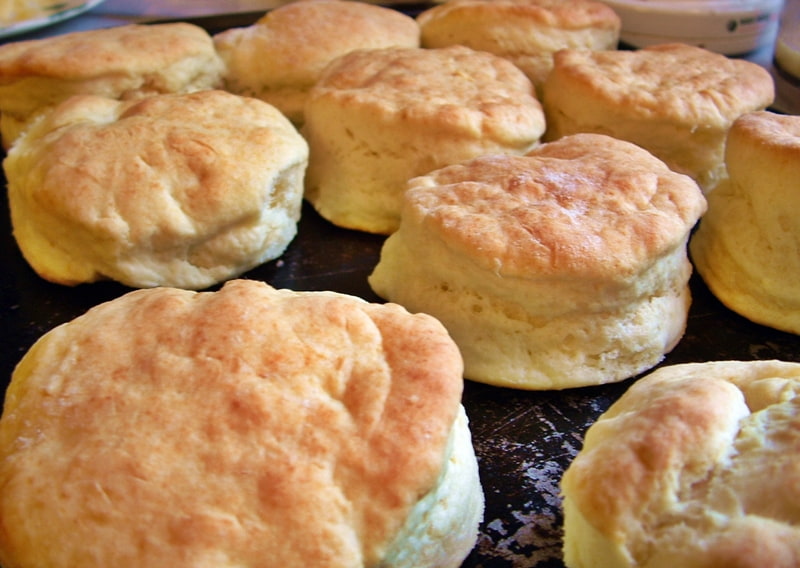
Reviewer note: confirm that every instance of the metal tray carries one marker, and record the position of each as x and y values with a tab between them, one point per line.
524	440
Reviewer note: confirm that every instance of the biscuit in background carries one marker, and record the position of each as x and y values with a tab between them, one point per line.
695	465
170	190
245	427
280	57
677	101
379	117
14	11
527	32
120	63
747	247
562	268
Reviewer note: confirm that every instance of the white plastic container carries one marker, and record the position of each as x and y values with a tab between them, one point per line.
730	27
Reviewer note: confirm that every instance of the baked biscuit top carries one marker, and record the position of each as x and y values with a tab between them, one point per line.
697	464
587	204
674	82
452	89
226	428
124	50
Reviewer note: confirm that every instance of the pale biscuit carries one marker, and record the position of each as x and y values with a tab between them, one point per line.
245	427
562	268
280	57
695	465
120	63
747	247
527	32
173	190
677	101
379	117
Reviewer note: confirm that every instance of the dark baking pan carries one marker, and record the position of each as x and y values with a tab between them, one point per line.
524	440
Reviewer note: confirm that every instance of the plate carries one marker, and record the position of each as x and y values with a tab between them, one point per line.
53	13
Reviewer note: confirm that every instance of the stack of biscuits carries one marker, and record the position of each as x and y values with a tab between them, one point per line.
527	32
280	57
538	188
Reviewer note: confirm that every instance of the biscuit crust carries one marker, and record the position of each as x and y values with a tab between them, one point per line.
175	190
561	268
677	101
588	206
120	63
245	427
379	117
746	248
695	465
281	56
527	32
132	49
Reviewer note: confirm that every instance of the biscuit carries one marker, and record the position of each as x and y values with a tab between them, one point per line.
121	63
527	32
377	118
562	268
245	427
746	247
677	101
170	190
13	11
280	57
695	465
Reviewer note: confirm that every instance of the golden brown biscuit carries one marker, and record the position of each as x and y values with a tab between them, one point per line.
120	63
14	11
562	268
747	246
175	190
245	427
527	32
281	56
696	465
675	100
379	117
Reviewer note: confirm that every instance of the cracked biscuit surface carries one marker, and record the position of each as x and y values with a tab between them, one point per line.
280	57
248	427
675	100
560	268
170	190
123	62
526	32
695	465
379	117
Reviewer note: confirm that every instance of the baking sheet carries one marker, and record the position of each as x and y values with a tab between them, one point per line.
524	440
